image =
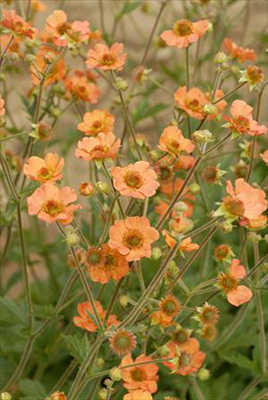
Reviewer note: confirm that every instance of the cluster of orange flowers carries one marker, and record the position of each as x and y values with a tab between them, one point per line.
132	238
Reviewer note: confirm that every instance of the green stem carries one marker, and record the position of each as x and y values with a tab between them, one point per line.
262	337
246	392
196	388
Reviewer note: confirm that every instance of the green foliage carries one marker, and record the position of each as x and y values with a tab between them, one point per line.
78	346
32	390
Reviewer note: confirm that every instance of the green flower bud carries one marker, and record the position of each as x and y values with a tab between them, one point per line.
103	187
203	136
5	396
103	394
115	374
210	109
72	239
203	374
121	84
156	253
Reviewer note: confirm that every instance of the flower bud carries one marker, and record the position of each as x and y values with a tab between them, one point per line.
163	351
194	188
30	58
253	237
226	226
155	154
5	396
103	394
210	109
108	383
156	253
100	362
115	374
121	84
50	58
103	187
203	136
14	57
221	58
223	252
55	112
44	131
203	374
72	239
86	189
124	300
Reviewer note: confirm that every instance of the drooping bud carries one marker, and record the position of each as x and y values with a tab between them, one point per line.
115	374
203	374
156	253
72	239
203	136
86	189
103	187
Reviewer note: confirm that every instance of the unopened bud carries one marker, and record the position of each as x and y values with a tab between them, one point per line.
180	207
50	58
43	131
203	374
253	237
30	58
86	189
115	374
203	136
103	394
226	227
124	300
14	57
108	383
55	112
5	396
121	84
163	351
100	362
72	239
156	253
103	187
210	109
194	188
221	58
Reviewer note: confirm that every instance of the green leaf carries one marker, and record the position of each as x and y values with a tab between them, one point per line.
32	389
239	360
144	111
44	311
10	312
78	346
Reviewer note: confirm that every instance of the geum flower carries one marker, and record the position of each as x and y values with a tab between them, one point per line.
186	244
138	395
104	145
235	51
17	25
142	377
173	142
107	58
241	121
133	237
229	282
194	103
105	263
57	70
81	87
95	122
44	170
85	312
135	180
52	204
184	33
187	357
65	33
244	201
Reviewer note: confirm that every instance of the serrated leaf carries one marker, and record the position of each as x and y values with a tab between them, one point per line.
239	360
79	347
44	311
11	312
32	389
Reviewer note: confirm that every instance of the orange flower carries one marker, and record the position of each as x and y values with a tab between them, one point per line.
142	377
58	396
16	24
11	46
95	122
189	357
135	180
159	318
138	395
106	263
122	342
173	142
264	156
107	58
228	282
244	200
185	32
133	237
44	170
184	162
185	245
84	320
86	189
242	121
79	86
2	106
57	26
51	204
99	147
57	71
193	102
37	5
238	52
254	224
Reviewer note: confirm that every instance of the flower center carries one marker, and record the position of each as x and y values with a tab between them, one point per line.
109	261
133	239
44	174
210	174
52	208
93	256
234	206
97	125
254	74
173	145
185	359
222	251
227	282
138	374
63	28
180	336
165	173
108	59
241	123
169	307
208	315
183	27
193	104
133	179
